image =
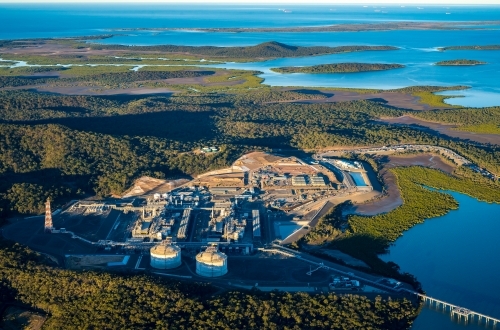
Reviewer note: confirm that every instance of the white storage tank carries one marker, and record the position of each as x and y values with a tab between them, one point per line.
211	262
165	256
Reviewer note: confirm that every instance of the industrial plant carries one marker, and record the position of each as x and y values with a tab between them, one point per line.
261	199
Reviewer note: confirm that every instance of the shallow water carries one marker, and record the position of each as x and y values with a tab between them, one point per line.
456	258
417	48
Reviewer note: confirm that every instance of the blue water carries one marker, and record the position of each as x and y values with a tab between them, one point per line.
358	179
56	20
456	258
417	48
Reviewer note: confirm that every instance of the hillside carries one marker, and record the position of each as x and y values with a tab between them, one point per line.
270	49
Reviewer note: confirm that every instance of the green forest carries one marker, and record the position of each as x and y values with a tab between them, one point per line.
63	146
460	62
168	54
95	300
270	49
483	120
472	47
338	68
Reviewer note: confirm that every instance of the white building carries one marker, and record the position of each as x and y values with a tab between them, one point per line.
165	256
211	262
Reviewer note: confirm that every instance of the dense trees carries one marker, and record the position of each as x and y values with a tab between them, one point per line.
328	227
98	300
169	54
338	68
93	163
132	76
12	81
460	62
99	144
270	49
475	47
483	120
466	116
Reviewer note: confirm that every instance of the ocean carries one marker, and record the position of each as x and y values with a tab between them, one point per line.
417	48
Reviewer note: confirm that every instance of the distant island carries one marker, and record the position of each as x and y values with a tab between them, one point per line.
383	26
271	49
459	62
338	68
482	47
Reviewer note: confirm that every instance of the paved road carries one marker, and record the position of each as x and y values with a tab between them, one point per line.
304	230
366	278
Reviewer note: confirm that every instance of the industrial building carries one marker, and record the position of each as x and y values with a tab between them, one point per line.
317	181
299	181
255	224
305	180
165	256
183	212
211	262
234	229
225	224
154	224
182	232
142	227
224	190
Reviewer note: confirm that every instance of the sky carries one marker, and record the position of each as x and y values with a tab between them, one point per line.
270	2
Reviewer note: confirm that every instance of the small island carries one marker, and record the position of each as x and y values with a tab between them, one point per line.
338	68
460	62
474	47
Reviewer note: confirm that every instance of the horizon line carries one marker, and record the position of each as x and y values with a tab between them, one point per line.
260	2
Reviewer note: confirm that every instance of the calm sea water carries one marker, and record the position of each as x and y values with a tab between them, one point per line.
456	258
43	20
417	48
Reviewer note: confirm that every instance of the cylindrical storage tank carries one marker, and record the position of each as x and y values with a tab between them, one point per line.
165	256
211	263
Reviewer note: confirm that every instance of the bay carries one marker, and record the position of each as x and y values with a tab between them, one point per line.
418	49
456	259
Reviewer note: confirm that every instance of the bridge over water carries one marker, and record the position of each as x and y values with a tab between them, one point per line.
460	313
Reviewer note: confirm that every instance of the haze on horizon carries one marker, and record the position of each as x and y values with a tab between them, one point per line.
274	2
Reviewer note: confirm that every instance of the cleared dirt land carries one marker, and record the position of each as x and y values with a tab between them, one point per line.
15	318
147	185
